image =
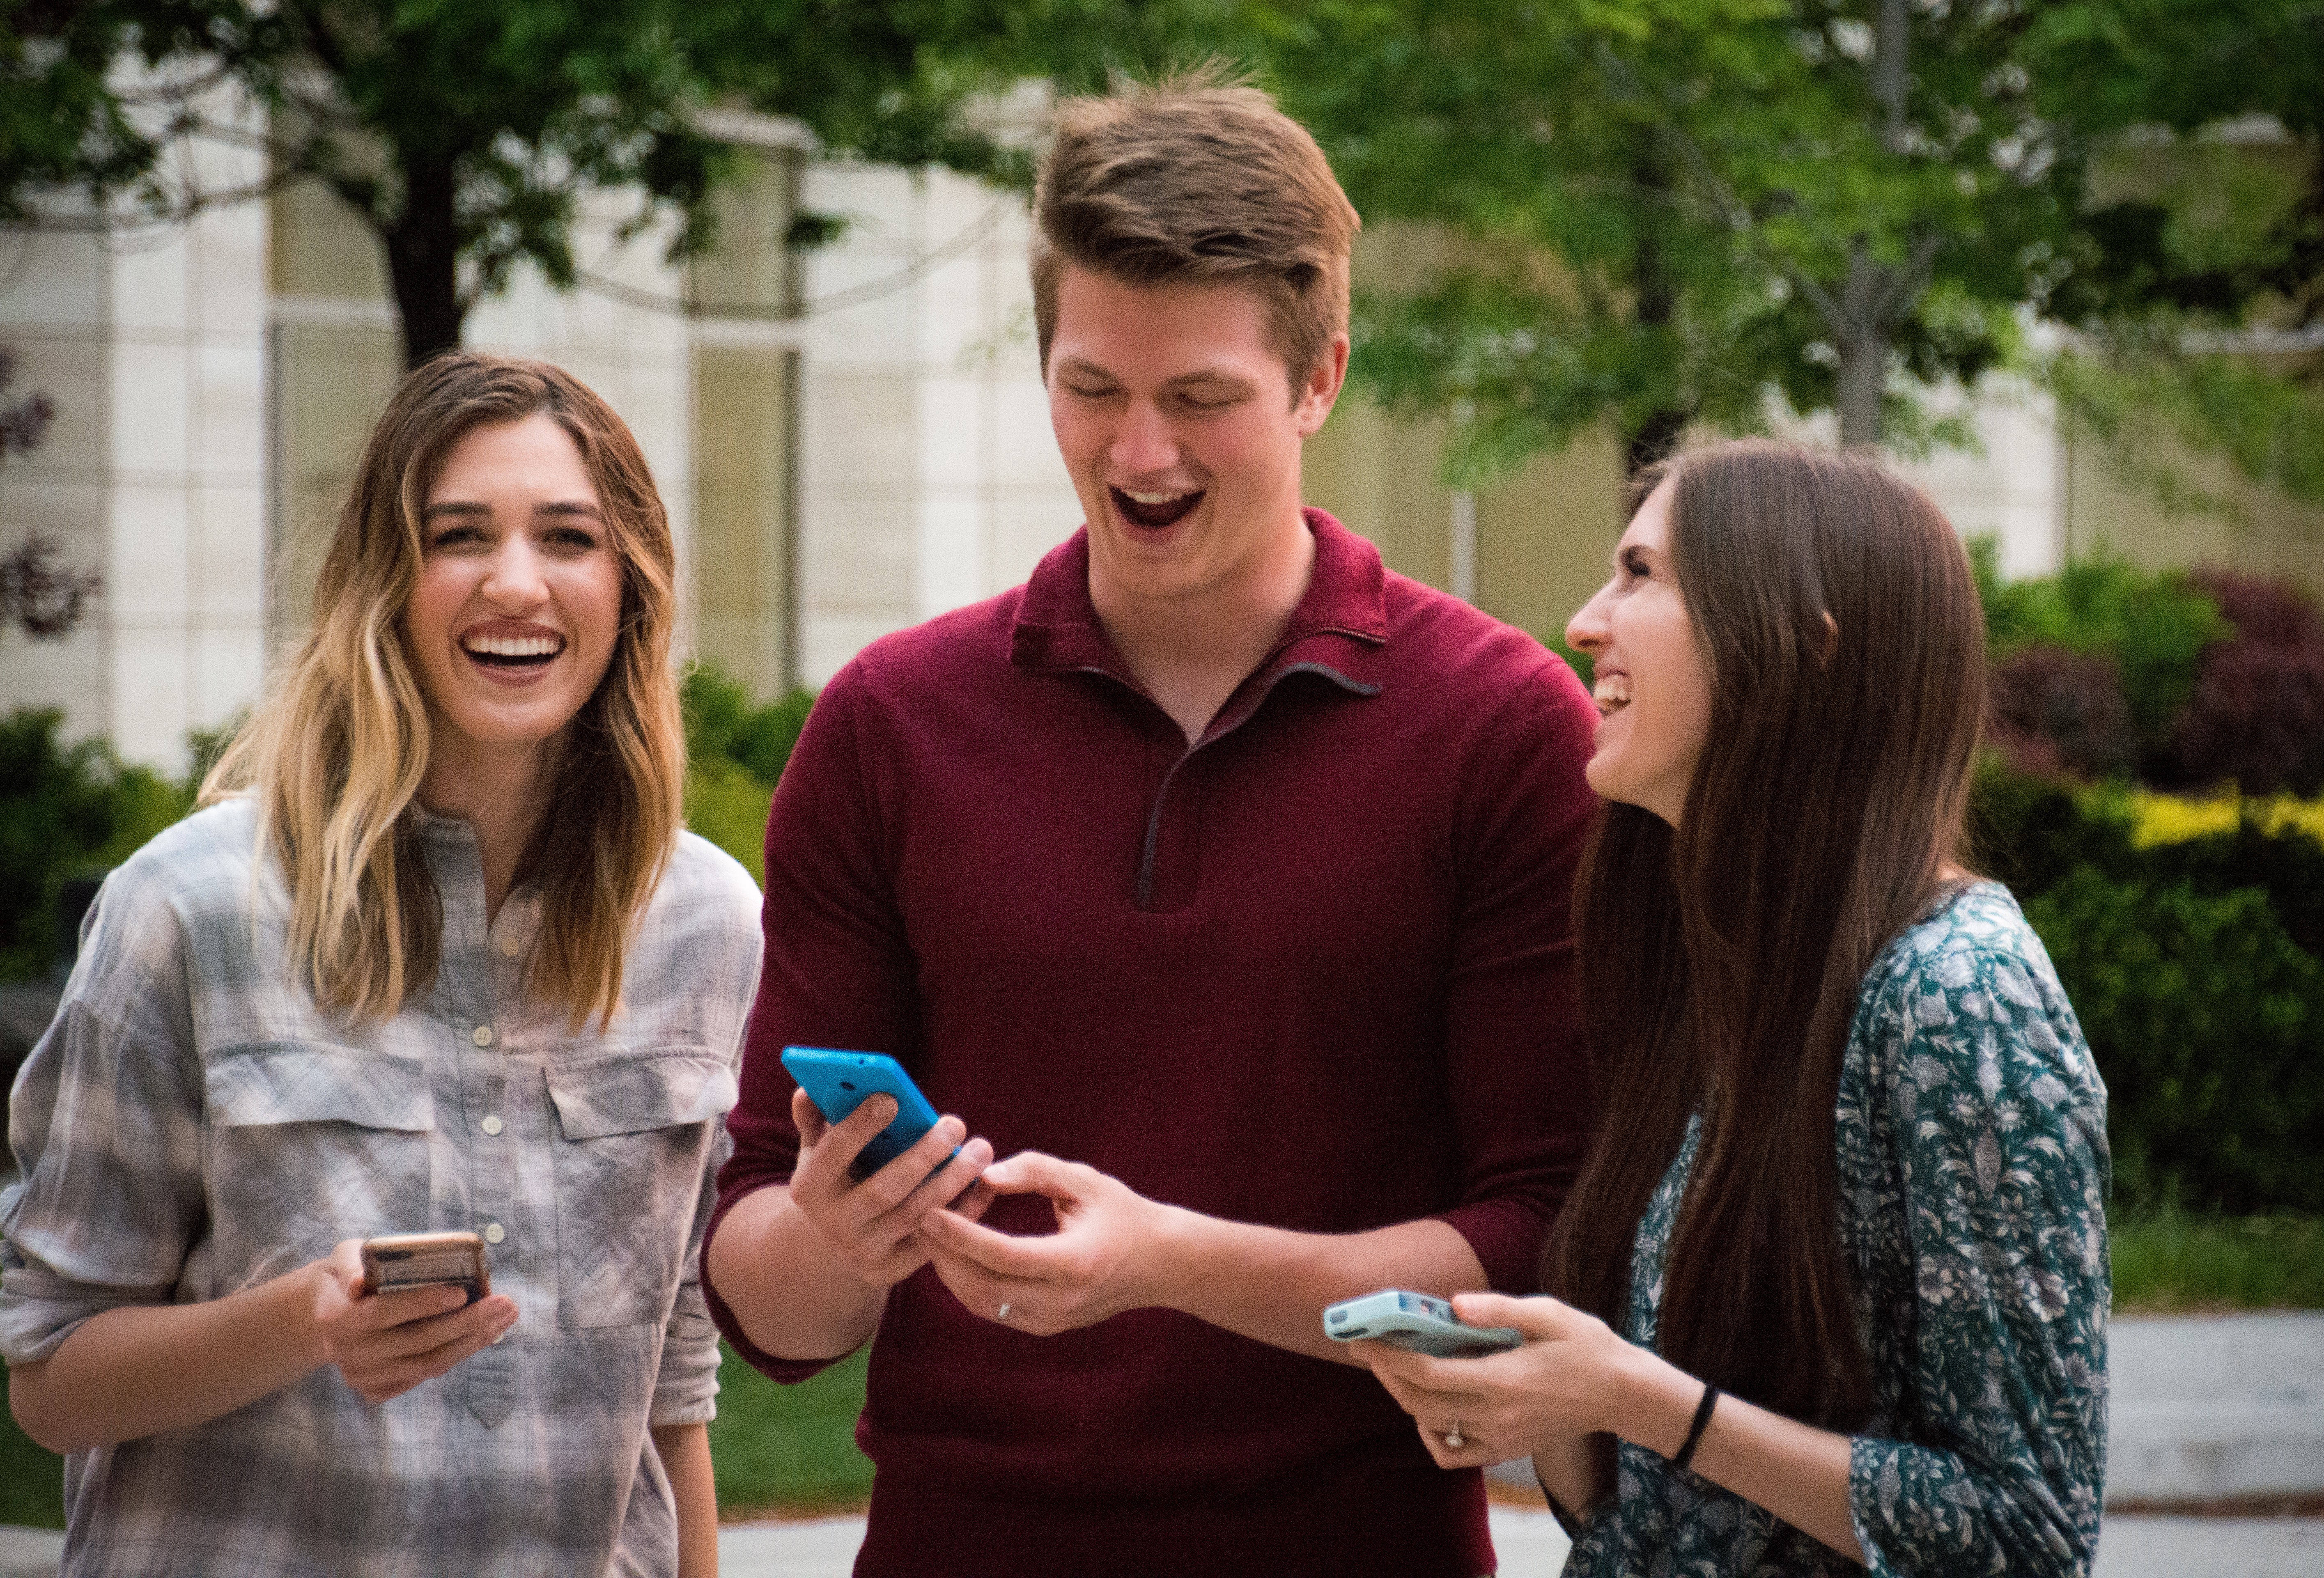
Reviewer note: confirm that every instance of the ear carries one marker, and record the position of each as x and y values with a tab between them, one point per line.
1322	391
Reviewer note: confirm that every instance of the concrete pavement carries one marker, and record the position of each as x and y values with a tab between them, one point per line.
2206	1407
1530	1544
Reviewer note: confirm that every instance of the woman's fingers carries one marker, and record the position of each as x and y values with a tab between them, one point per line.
1537	1316
387	1344
402	1358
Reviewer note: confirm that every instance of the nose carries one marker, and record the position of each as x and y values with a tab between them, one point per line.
513	578
1143	444
1588	631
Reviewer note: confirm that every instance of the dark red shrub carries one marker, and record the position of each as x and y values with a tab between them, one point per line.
2257	716
2053	710
2276	613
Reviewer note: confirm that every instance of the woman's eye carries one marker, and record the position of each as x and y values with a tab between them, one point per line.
455	536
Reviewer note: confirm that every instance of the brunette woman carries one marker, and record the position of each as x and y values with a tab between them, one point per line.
436	956
1831	1290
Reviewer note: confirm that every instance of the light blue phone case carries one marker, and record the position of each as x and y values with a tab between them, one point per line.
1416	1321
838	1084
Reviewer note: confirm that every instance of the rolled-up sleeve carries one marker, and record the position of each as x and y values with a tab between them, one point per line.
686	1388
104	1124
2001	1122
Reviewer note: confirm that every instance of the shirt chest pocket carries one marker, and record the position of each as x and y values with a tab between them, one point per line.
635	1132
312	1144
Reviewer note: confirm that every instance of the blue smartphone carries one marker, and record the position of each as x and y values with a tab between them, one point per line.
1416	1321
837	1083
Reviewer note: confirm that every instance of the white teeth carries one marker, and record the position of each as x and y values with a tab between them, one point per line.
1613	692
514	646
1154	498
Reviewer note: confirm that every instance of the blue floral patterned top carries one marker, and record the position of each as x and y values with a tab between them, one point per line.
1973	1173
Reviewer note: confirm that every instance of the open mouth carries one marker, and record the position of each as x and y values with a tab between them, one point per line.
513	651
1154	511
1613	694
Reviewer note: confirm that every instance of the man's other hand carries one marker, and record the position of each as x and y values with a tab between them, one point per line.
1102	1259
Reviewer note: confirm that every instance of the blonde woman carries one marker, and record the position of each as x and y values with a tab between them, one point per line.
435	955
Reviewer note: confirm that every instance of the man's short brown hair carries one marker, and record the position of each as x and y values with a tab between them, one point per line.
1196	180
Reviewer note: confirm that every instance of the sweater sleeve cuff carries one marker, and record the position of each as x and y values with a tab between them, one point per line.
1506	1238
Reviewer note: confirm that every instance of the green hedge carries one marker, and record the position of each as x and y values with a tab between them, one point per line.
2194	967
64	810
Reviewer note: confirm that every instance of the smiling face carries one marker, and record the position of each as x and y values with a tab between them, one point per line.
514	615
1171	409
1653	687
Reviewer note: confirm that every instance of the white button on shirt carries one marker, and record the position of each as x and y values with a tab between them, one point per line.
483	1037
495	1233
509	945
492	1124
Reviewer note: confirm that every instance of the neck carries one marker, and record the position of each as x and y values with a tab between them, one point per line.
1190	652
500	793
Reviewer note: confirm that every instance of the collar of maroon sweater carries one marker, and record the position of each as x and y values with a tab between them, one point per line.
1337	631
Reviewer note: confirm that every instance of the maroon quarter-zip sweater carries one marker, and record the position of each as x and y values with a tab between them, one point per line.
1315	971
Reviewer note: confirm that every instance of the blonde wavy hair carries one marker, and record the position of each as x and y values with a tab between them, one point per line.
335	754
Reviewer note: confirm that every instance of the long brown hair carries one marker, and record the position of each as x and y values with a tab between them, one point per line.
338	751
1720	960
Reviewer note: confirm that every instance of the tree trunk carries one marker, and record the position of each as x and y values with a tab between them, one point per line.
423	253
1656	437
1863	378
1872	302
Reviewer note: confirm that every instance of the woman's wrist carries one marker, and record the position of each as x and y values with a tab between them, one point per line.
1655	1403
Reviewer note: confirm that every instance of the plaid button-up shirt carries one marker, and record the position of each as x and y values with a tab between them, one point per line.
192	1124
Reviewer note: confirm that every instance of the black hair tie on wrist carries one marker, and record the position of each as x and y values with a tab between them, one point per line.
1710	1395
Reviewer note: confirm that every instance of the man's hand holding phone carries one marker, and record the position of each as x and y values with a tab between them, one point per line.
385	1344
872	1224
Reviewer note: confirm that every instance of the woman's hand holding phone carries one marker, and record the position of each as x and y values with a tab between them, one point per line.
384	1344
1562	1384
872	1224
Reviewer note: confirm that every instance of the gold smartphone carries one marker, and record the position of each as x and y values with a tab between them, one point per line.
396	1261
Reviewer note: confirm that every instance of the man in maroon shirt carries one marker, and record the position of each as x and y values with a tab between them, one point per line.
1218	879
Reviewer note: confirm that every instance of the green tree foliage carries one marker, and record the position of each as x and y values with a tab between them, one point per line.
1666	208
62	125
467	136
2208	252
